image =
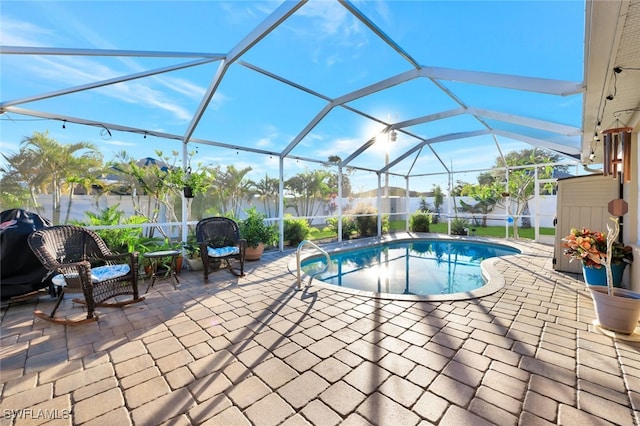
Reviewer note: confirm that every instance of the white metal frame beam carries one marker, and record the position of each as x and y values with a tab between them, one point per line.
506	81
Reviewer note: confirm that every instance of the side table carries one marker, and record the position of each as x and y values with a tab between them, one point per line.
156	257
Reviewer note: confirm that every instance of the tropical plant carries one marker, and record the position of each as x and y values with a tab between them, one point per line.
333	178
267	190
367	220
255	230
191	247
305	189
231	188
296	229
162	181
590	247
194	181
419	222
120	240
486	196
438	200
459	226
57	162
348	226
520	182
21	180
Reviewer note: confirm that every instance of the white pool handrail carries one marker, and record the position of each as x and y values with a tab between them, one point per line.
299	250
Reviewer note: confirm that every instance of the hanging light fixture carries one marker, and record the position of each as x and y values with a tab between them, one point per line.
617	152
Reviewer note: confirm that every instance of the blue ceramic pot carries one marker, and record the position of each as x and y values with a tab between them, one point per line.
594	276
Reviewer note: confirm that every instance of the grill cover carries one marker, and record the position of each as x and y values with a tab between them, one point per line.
20	270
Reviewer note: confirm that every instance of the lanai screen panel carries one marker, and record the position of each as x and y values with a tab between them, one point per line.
502	37
252	110
326	49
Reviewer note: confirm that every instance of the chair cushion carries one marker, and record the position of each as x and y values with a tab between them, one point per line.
98	274
222	251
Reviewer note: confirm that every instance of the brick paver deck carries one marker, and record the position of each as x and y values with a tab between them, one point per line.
253	351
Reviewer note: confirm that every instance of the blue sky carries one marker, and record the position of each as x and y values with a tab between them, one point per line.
322	47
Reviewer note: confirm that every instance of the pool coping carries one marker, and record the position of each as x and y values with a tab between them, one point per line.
495	280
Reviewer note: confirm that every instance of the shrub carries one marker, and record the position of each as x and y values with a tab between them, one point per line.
348	226
367	226
458	226
296	230
255	230
419	222
119	240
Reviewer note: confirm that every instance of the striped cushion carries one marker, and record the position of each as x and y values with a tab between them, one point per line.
222	251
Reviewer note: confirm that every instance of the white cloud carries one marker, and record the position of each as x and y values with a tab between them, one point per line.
71	71
119	143
341	147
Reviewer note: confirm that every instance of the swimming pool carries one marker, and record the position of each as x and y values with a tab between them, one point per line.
424	268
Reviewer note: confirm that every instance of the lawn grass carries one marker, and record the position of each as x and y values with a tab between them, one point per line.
441	228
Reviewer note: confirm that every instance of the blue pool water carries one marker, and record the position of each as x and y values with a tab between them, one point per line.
423	267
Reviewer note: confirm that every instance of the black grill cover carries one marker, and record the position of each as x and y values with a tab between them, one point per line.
20	270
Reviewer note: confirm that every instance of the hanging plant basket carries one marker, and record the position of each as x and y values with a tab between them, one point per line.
188	192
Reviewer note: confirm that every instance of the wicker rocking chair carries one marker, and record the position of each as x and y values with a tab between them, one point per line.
219	241
84	264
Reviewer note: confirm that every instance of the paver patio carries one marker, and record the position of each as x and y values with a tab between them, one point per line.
252	350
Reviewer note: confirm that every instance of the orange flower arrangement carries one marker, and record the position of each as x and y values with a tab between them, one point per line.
591	248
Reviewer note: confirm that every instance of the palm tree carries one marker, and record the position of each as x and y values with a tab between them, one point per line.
156	179
22	175
72	182
307	187
438	199
267	190
232	187
486	197
60	161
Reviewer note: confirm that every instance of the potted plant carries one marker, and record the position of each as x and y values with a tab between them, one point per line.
255	230
590	248
193	259
616	309
195	182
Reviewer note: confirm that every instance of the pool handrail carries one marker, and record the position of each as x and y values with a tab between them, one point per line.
299	250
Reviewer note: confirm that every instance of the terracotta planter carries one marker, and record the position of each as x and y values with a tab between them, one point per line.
148	270
254	253
619	312
194	264
179	264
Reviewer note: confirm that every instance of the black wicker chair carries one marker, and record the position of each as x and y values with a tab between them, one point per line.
85	264
219	241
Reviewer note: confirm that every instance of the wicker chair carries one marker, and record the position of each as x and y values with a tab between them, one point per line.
219	241
85	264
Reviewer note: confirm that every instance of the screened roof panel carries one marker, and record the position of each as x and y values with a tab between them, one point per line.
303	79
252	110
163	104
340	133
501	37
423	97
556	109
462	123
562	141
471	153
192	26
327	50
423	161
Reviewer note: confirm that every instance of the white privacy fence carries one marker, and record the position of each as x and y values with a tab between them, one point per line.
542	210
